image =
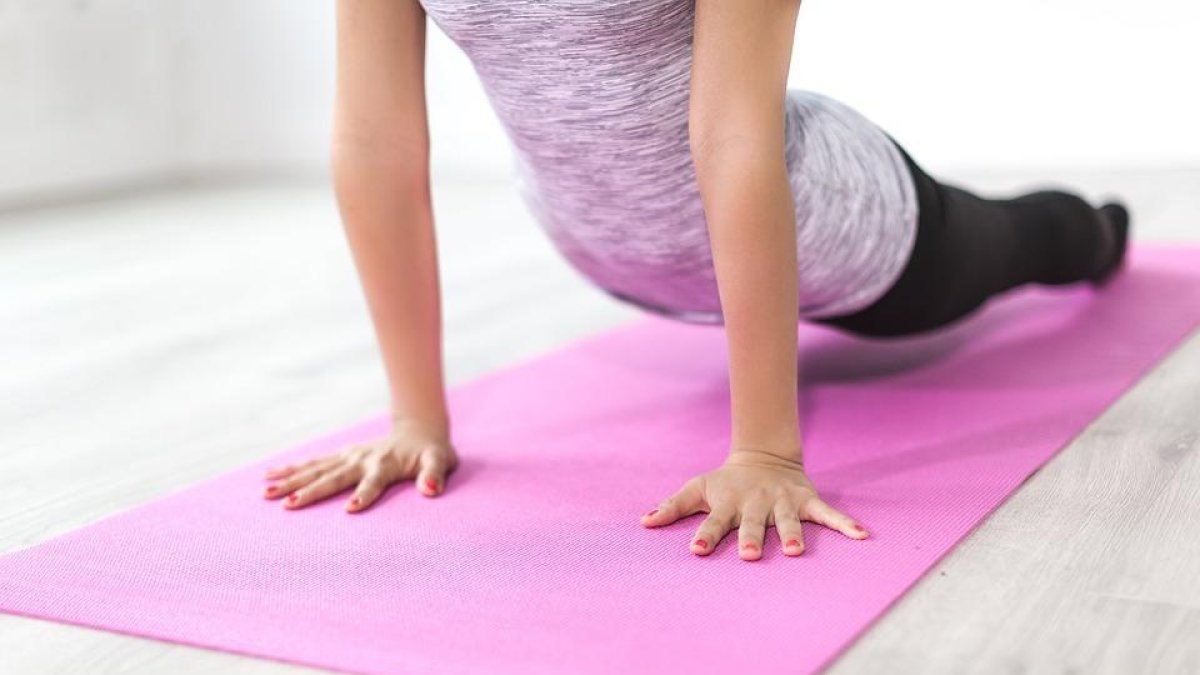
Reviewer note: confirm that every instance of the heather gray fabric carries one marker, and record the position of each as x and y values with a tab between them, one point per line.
594	96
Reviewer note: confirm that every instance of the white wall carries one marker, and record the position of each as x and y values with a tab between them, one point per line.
86	94
255	81
99	92
1017	83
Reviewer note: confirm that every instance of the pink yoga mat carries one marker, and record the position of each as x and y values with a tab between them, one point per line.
534	561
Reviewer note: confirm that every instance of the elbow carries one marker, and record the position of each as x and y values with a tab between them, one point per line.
717	148
400	163
396	146
401	154
709	142
726	160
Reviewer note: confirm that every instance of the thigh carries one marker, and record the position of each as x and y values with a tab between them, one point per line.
952	269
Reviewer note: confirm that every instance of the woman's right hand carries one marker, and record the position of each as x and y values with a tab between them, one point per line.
411	449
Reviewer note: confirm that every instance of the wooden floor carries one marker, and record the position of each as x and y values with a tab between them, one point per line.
154	340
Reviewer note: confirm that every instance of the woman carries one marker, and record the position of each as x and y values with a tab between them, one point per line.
661	151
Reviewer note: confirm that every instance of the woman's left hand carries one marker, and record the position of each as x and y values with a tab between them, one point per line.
751	491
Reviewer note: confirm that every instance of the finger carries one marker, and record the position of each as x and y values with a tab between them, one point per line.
331	483
368	491
286	470
688	500
431	479
711	531
789	529
293	483
277	472
820	512
752	529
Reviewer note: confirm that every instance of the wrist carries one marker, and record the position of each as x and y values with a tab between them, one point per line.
786	444
436	424
763	458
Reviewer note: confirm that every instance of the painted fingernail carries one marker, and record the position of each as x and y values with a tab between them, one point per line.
792	542
858	527
431	484
294	497
700	543
750	546
355	503
271	489
652	513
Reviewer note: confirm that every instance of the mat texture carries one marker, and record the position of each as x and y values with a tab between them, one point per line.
534	561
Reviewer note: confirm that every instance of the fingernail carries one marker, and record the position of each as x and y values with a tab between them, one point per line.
271	489
700	543
652	512
294	497
750	545
791	542
858	527
356	502
431	484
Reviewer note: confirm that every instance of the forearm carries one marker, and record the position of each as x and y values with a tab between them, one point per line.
750	210
387	215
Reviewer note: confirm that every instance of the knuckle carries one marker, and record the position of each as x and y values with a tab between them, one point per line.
372	462
373	482
750	531
317	488
724	519
721	506
785	512
408	464
753	522
753	519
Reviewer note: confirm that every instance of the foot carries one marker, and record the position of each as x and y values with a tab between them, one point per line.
1116	216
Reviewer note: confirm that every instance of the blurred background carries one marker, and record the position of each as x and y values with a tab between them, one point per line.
105	94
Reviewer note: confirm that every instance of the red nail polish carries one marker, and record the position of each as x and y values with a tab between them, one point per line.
271	489
356	502
750	545
700	543
859	527
431	484
791	542
652	512
294	497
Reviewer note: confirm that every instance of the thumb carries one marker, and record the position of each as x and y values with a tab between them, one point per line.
431	478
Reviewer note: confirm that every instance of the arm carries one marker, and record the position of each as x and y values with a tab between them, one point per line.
380	163
380	157
740	65
741	55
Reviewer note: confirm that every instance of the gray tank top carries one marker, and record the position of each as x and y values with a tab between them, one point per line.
594	97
